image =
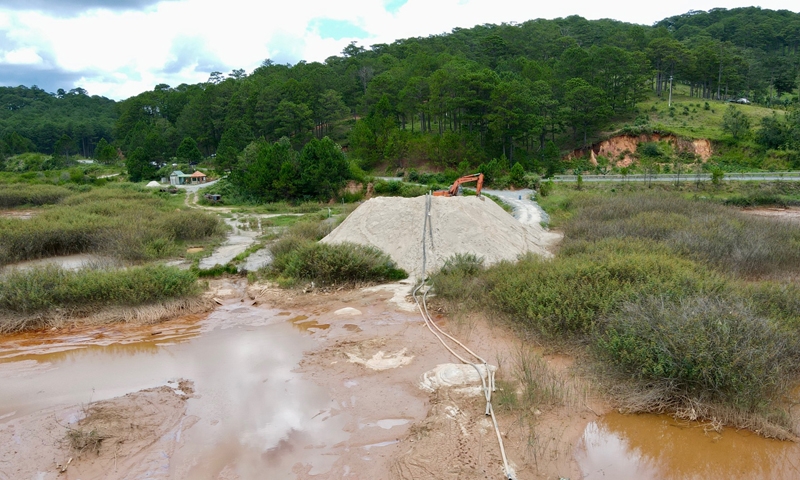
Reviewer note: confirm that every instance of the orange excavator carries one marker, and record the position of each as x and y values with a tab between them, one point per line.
455	188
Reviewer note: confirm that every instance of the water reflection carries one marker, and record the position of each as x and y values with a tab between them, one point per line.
257	417
659	447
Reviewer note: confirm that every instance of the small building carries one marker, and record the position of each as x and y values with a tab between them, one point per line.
178	178
198	177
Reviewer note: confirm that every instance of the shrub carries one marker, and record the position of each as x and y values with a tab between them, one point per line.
706	232
546	188
457	277
123	222
15	195
46	288
712	350
568	296
328	264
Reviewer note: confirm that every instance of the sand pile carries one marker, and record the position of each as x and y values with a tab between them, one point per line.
459	225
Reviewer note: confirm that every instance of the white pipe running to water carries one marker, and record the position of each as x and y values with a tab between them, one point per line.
487	380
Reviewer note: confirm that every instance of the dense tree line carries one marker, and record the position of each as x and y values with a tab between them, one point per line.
273	171
518	93
746	51
61	123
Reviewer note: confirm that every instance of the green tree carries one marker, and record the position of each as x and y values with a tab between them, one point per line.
323	169
139	166
735	123
233	141
188	152
586	107
294	120
104	152
330	107
64	146
517	175
773	132
17	144
512	113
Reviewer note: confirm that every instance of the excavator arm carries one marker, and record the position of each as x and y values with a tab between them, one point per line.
453	190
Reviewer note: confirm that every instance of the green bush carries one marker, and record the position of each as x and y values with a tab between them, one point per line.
545	188
340	263
46	288
15	195
217	270
382	187
709	349
126	223
566	297
457	279
722	237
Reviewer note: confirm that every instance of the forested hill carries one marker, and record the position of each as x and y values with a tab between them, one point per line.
32	119
526	91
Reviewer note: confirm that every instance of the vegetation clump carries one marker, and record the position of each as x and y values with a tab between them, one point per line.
668	294
298	256
16	195
50	288
340	263
725	239
711	350
126	224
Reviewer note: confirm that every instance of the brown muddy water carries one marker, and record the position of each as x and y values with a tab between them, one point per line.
660	447
256	413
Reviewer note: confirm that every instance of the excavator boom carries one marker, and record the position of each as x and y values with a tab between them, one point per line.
453	190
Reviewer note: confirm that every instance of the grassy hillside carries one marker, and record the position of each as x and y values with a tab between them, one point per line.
693	117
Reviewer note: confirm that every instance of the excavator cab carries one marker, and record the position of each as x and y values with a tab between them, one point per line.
455	188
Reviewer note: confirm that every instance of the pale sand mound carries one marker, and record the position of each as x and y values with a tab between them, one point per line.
459	224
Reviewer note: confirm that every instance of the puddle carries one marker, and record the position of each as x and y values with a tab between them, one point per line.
659	447
67	262
243	234
380	444
237	242
257	416
386	424
308	326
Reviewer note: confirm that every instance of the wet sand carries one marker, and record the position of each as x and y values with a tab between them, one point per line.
277	384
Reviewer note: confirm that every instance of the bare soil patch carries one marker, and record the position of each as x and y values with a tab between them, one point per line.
788	214
125	437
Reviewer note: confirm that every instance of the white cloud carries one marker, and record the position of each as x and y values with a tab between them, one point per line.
121	53
22	56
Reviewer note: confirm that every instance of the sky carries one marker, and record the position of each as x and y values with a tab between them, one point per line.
119	48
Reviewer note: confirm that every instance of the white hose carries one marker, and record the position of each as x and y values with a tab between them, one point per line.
487	381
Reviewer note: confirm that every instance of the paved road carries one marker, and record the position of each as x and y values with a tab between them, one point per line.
684	177
526	210
194	188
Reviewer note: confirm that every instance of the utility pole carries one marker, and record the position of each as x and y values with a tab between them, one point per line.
669	103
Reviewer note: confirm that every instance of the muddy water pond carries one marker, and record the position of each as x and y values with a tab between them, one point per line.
254	412
660	447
